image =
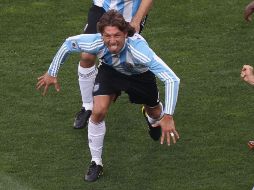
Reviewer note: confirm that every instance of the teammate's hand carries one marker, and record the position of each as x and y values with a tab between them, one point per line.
168	130
135	24
249	9
46	80
247	74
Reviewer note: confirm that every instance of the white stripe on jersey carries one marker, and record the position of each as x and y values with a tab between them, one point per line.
112	4
98	3
91	46
169	90
96	42
170	80
127	11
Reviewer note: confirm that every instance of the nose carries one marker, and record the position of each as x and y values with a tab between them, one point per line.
112	39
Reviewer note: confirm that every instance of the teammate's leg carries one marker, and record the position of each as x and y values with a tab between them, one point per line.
87	71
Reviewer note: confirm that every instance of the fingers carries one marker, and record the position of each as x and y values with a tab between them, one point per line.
177	135
162	137
45	89
173	134
246	71
41	77
47	80
247	67
173	137
57	87
39	84
247	13
243	74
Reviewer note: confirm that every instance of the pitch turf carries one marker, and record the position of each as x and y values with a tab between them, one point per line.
204	42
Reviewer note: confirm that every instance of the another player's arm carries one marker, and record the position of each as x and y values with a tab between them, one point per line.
142	11
249	9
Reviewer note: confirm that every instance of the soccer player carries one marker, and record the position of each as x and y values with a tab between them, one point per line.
249	9
127	64
134	12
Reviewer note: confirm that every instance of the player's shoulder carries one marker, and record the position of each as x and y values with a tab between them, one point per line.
88	37
137	39
138	43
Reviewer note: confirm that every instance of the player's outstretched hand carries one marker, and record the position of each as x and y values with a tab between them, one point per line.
168	131
46	80
249	9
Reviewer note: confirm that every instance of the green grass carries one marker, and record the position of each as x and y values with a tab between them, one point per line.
204	42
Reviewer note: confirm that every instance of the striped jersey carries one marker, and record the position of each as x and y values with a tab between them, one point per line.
134	58
127	8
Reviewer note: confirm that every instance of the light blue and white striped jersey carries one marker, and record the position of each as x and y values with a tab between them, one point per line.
127	8
134	58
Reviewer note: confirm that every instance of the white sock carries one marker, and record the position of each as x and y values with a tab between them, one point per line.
86	83
155	122
96	133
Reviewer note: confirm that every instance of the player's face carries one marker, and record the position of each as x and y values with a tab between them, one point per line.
114	39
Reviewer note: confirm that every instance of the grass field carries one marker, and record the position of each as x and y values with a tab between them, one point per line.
204	42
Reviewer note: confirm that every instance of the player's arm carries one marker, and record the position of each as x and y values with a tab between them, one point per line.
171	81
249	9
88	43
146	56
142	11
50	77
169	78
80	43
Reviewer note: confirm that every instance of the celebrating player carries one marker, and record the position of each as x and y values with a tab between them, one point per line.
134	12
126	64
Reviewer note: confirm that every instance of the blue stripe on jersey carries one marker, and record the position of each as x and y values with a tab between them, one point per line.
107	58
106	5
136	4
123	60
120	7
